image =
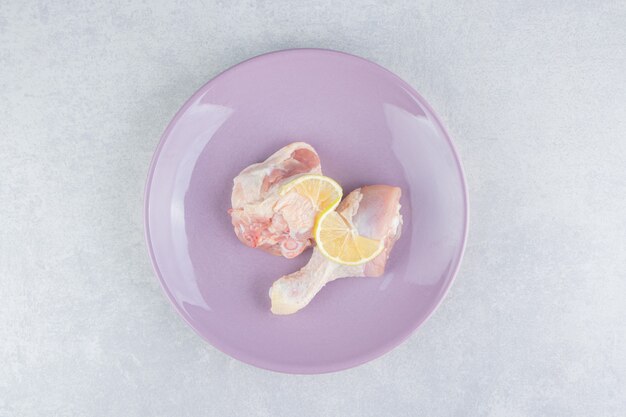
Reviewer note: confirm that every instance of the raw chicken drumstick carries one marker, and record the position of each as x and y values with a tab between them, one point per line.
375	212
280	225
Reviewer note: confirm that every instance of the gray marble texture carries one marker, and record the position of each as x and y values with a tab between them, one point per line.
534	94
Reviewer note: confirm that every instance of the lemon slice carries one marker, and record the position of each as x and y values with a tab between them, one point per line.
339	241
323	191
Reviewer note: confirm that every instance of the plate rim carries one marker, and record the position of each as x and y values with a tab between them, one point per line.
341	365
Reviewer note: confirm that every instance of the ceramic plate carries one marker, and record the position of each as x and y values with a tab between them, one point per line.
369	127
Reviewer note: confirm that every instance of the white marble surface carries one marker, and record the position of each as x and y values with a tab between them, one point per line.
533	92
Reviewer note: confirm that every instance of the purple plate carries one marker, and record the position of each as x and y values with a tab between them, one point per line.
369	127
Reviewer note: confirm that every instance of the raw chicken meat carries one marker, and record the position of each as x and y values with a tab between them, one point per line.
261	217
375	212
